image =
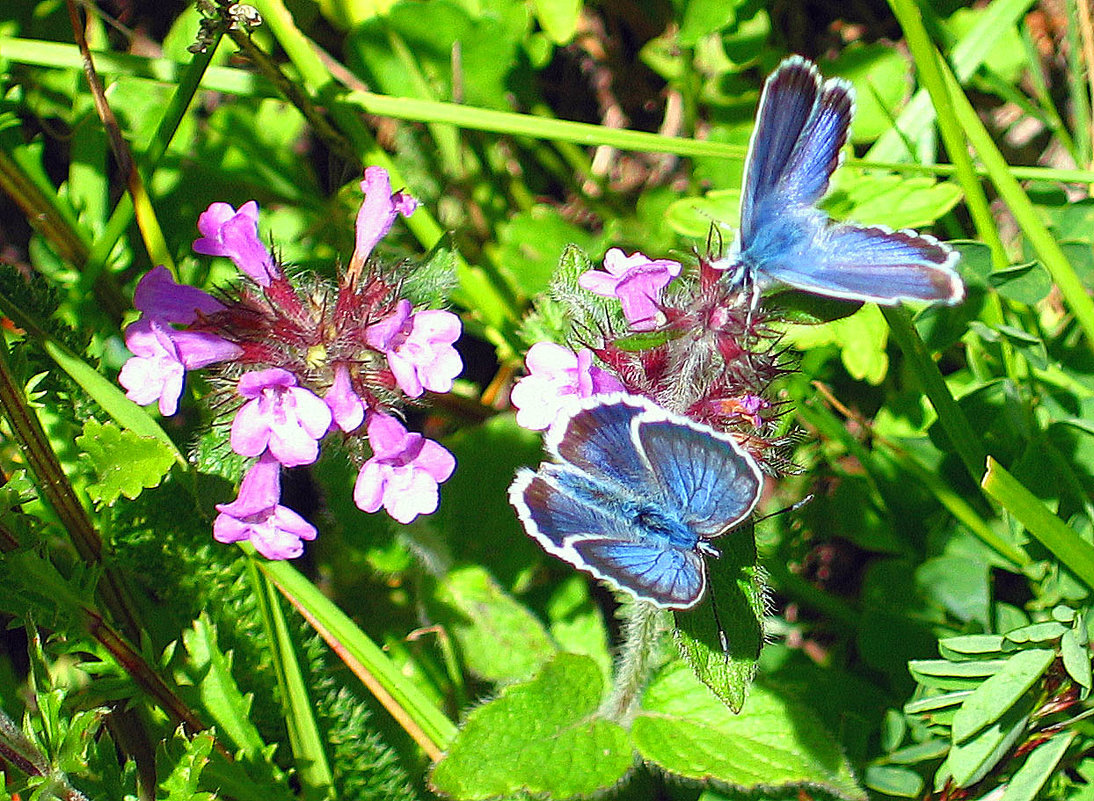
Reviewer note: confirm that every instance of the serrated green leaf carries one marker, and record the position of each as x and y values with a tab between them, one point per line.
501	640
1076	659
773	743
180	763
126	463
736	590
577	624
542	736
210	670
1000	692
1038	768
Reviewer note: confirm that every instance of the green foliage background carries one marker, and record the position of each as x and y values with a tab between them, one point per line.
925	615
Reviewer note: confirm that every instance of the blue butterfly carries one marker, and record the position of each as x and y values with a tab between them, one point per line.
801	127
635	495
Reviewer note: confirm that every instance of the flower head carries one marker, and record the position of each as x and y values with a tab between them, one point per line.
557	377
419	348
403	473
275	530
637	281
279	415
231	233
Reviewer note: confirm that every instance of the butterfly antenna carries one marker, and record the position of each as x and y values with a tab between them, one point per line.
792	508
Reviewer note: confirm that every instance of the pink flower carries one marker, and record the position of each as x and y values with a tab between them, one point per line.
637	281
378	212
556	378
281	416
159	295
403	473
162	355
419	348
231	233
275	530
345	404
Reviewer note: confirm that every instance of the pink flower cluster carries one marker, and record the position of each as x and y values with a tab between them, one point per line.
343	360
701	358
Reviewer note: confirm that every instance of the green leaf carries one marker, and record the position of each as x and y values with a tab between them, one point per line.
933	702
558	18
1000	692
539	737
1025	283
1046	631
880	77
736	590
893	780
874	198
703	17
501	640
971	646
577	624
861	338
1038	768
773	743
125	462
970	761
1076	658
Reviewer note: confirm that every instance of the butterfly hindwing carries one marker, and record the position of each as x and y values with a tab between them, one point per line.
875	263
669	577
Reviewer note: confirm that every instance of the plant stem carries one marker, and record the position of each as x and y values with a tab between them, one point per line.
642	626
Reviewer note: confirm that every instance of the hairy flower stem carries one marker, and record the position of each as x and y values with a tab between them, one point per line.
642	625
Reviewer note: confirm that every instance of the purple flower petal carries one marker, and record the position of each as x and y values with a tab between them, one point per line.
379	335
200	349
637	281
403	473
419	349
275	531
378	212
287	419
556	379
159	295
226	232
156	370
346	406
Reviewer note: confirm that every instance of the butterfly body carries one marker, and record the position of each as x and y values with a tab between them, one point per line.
635	494
802	124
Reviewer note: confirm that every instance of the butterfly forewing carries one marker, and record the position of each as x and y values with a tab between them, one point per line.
599	440
557	503
801	124
711	480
